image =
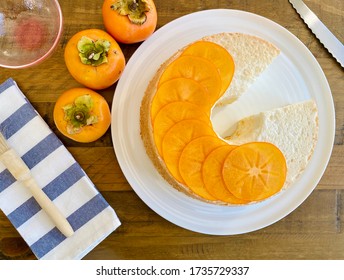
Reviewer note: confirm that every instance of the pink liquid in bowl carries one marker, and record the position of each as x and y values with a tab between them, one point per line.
30	34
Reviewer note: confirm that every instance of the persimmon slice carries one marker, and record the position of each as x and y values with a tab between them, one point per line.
212	175
191	161
172	113
196	68
181	89
177	137
254	171
217	55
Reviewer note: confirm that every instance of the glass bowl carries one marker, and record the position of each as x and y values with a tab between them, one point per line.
29	31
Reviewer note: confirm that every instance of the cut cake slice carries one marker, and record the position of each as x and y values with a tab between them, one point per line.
293	129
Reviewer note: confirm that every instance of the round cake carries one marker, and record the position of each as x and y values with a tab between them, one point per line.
177	131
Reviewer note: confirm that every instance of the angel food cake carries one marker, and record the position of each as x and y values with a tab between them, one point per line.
265	154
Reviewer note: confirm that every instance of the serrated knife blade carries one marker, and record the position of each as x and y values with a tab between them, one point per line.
325	36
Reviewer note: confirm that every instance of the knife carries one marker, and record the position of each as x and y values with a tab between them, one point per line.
325	36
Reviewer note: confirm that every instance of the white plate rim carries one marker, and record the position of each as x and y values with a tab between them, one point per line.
196	216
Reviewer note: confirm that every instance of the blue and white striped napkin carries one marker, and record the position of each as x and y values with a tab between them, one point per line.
60	177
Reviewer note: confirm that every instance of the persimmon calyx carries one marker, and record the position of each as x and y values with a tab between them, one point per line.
93	52
134	9
79	114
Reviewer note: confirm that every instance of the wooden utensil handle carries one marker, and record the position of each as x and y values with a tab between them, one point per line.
49	207
15	165
21	173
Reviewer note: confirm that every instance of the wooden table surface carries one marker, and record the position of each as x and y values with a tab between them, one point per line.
315	230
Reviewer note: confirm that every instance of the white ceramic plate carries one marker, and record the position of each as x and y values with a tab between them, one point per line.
294	76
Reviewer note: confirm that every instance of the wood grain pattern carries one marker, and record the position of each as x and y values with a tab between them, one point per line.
313	231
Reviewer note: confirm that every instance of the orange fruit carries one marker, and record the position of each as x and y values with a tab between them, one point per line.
217	55
173	113
196	68
191	161
177	137
254	171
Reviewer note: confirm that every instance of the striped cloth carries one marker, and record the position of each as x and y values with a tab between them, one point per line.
60	177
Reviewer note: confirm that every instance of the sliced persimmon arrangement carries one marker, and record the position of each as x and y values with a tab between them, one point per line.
196	68
191	161
213	177
173	113
184	137
177	137
217	55
254	171
181	89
